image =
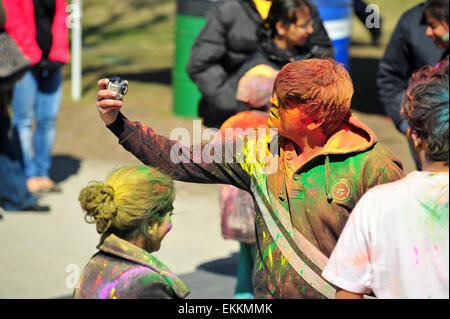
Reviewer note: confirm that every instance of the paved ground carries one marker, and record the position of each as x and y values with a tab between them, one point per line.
43	253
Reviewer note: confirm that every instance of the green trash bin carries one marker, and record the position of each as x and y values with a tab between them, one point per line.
190	19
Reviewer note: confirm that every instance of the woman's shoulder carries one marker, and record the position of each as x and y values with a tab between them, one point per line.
152	283
109	276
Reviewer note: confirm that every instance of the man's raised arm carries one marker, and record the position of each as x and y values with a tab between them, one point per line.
199	163
107	105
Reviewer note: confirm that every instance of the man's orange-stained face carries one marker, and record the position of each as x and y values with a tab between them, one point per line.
290	122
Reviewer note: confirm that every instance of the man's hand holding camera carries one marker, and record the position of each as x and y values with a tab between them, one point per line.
109	98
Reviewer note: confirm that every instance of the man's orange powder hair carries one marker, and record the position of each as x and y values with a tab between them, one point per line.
323	88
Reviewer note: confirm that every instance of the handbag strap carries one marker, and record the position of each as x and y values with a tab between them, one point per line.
303	269
13	63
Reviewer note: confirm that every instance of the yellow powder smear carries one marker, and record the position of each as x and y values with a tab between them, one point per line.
263	7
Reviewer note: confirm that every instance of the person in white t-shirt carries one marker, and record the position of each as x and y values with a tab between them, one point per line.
396	240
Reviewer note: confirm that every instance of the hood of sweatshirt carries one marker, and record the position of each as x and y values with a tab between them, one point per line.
353	136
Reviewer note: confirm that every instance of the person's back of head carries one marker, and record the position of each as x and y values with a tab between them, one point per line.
129	204
425	106
323	88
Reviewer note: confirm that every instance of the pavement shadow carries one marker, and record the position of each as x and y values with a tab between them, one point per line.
224	266
63	166
364	73
213	280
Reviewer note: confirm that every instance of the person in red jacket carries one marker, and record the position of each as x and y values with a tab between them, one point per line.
39	29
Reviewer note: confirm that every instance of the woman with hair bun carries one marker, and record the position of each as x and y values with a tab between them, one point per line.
132	211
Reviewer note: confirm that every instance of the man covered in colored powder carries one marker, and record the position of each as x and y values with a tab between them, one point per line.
305	177
396	241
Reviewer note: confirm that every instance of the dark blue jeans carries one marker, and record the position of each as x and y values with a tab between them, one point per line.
14	194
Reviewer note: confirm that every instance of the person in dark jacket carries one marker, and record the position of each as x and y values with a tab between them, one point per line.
132	211
282	38
222	46
408	50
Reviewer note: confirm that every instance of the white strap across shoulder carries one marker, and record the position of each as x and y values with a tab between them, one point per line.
309	250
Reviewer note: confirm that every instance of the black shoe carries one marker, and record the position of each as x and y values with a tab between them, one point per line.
36	208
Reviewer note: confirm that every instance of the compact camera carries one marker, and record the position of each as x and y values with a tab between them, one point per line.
118	85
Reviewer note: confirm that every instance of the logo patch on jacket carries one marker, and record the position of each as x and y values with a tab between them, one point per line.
340	191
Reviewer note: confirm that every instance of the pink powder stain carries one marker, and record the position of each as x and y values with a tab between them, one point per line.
108	288
312	191
416	253
106	291
97	281
115	268
436	248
